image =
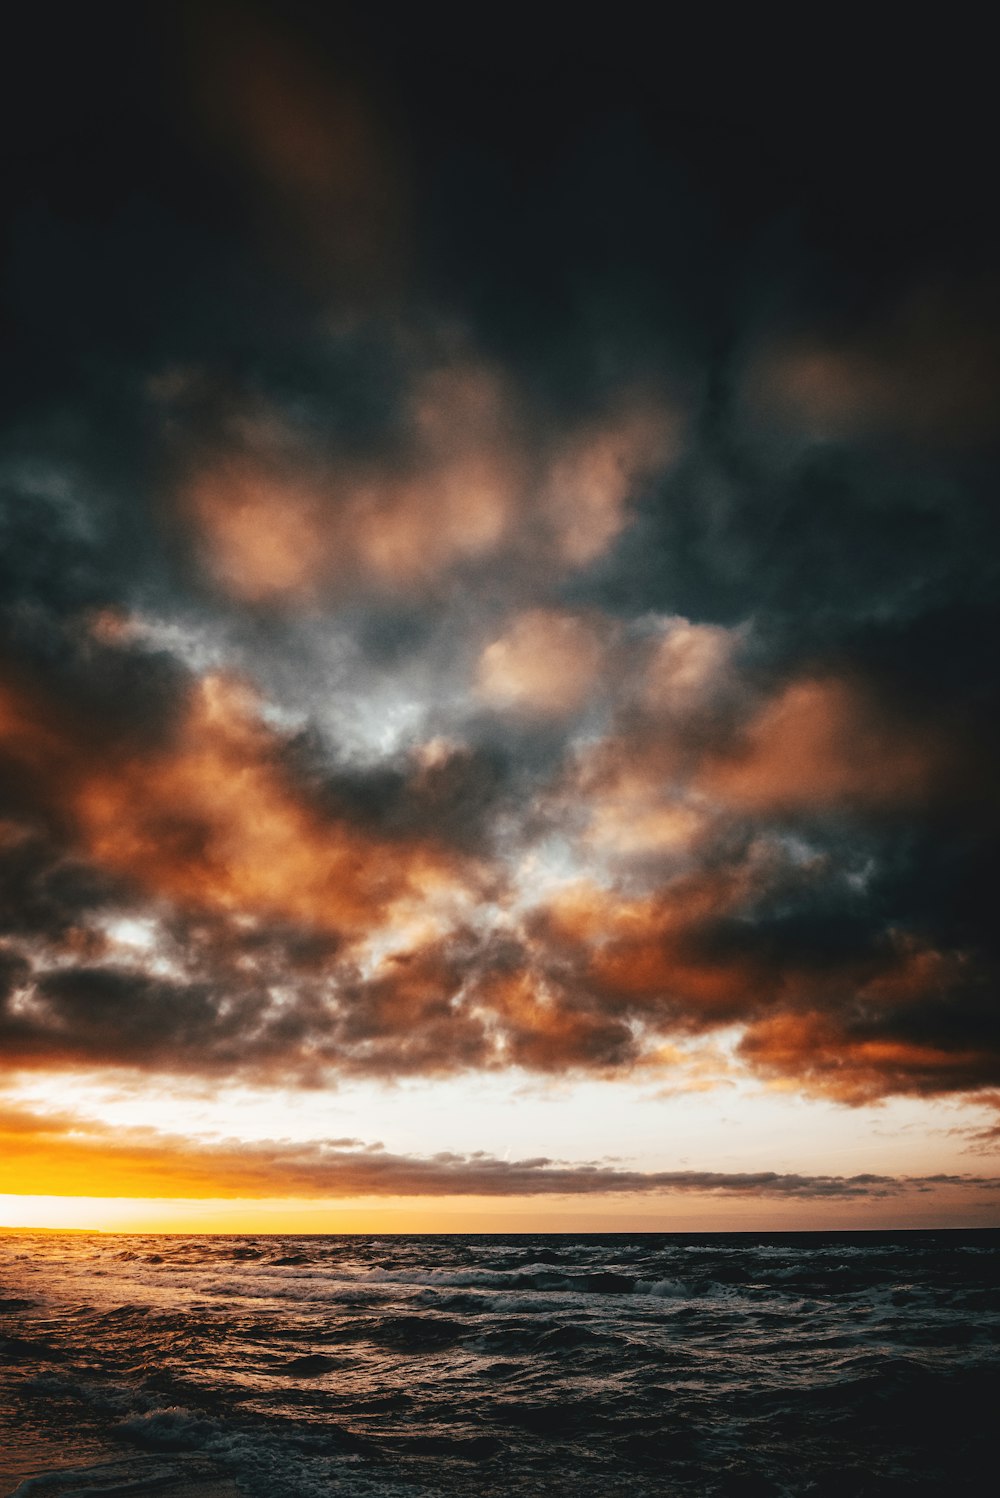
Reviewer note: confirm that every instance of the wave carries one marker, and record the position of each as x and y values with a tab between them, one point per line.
302	1366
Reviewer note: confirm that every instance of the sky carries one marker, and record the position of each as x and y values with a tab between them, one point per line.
498	624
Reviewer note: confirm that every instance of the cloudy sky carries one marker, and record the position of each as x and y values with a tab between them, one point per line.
498	623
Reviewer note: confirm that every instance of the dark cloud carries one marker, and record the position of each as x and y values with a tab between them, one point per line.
984	1139
42	891
499	553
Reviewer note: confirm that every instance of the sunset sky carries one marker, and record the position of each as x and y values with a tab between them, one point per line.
498	628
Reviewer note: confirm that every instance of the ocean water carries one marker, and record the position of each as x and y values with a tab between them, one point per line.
738	1364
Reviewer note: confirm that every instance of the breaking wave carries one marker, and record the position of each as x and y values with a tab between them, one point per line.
742	1365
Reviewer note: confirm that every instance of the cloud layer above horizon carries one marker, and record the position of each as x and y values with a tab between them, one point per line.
484	593
62	1155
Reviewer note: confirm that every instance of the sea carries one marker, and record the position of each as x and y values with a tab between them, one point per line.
737	1364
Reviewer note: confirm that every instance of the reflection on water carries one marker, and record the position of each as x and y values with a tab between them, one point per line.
829	1364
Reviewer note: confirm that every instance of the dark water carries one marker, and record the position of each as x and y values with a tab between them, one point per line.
827	1364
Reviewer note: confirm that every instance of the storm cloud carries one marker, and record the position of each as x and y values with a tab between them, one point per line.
499	596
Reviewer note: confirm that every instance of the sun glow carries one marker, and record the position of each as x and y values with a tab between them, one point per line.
121	1214
74	1213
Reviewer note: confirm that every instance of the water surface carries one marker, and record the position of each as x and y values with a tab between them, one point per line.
730	1364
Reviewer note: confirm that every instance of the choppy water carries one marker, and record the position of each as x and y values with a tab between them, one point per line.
827	1364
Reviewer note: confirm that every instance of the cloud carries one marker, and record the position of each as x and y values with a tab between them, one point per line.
59	1155
545	663
589	484
689	666
277	517
216	816
942	1037
303	922
824	743
924	368
984	1138
463	473
497	602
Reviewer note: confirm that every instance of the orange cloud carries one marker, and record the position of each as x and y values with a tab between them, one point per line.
638	955
688	666
855	1025
214	817
275	521
534	1021
545	664
632	790
264	533
635	814
457	495
425	966
822	743
592	478
824	1053
464	477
